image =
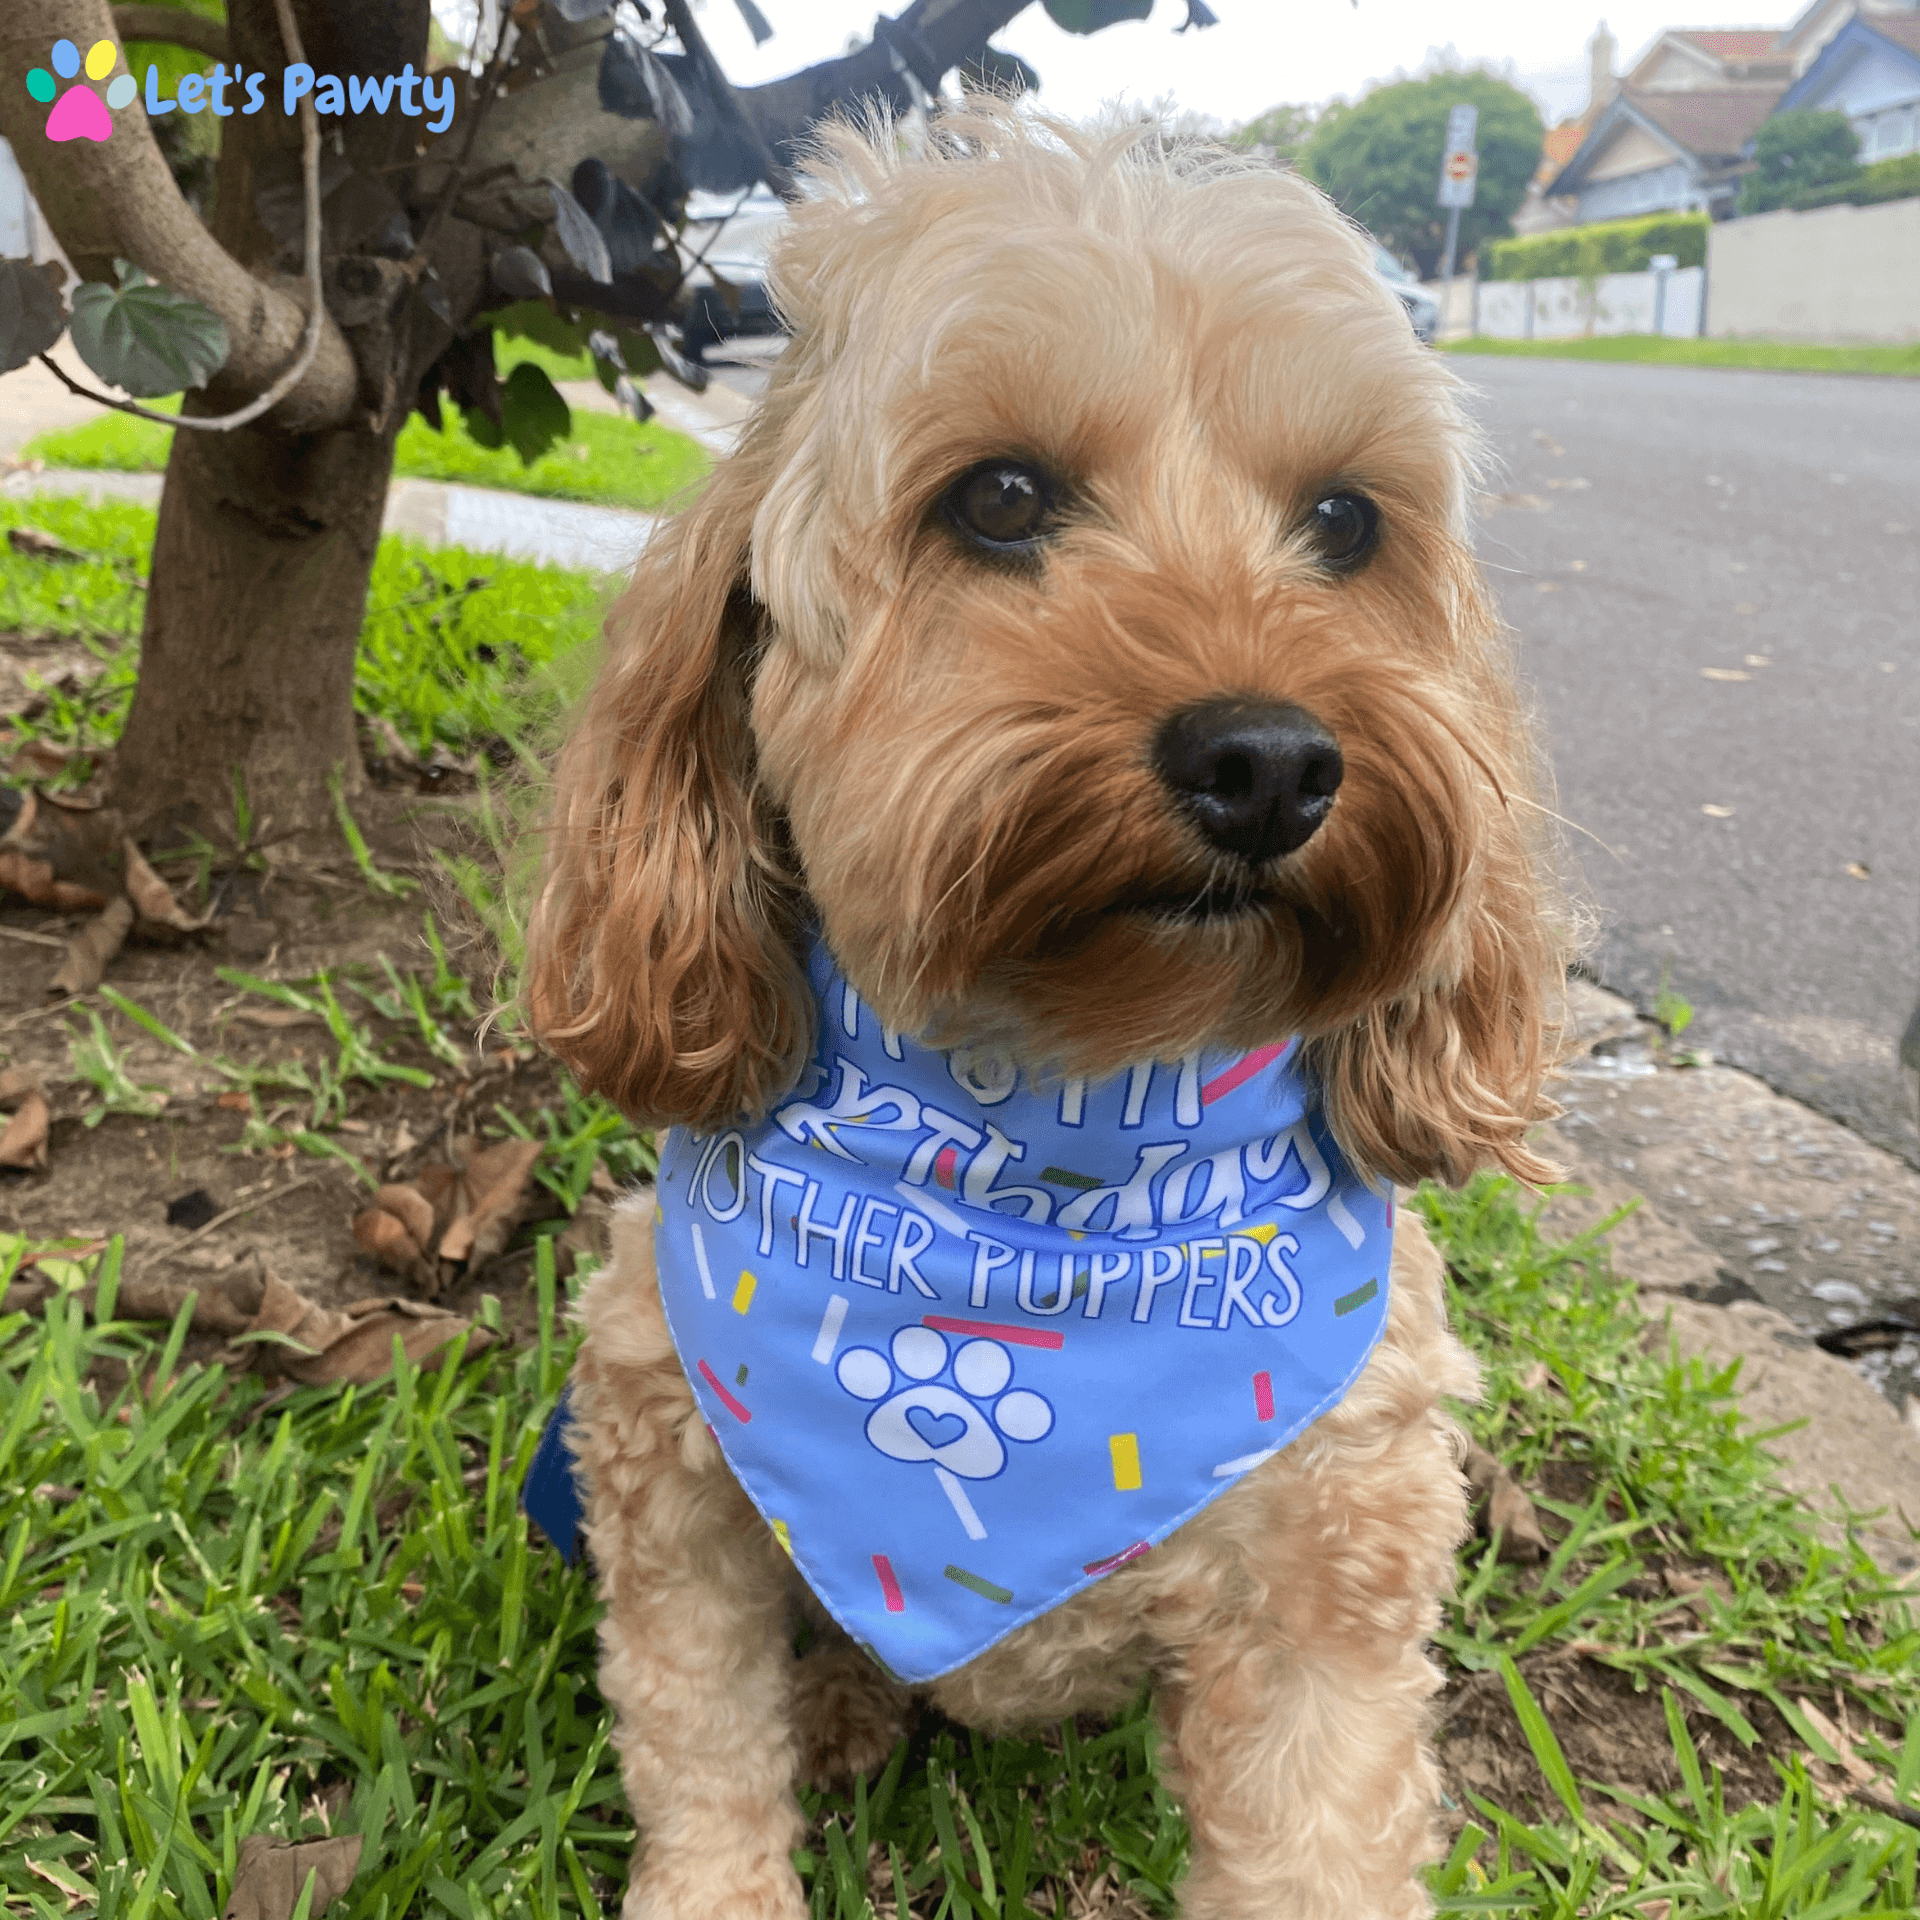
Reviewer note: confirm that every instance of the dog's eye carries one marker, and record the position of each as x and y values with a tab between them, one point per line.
1001	504
1344	529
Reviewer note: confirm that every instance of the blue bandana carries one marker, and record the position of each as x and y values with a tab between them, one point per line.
971	1343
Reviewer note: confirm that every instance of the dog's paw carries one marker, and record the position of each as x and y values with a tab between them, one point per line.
847	1715
954	1410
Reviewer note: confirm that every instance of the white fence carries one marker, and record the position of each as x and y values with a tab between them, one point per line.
1834	273
1563	309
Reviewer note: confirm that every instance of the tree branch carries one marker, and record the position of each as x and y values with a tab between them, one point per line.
316	311
173	26
680	18
118	198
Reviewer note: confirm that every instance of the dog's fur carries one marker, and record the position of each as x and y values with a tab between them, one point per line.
819	706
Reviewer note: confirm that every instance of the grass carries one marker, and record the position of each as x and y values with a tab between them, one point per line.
464	649
608	460
328	1616
1647	349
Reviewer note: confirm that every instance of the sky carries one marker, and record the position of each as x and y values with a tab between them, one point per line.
1262	52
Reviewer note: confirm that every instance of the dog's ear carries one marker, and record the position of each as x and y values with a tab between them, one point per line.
1448	1079
660	954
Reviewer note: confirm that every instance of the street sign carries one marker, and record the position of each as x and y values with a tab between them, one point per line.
1460	166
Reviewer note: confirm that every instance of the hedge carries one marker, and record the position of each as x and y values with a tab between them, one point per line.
1896	179
1609	246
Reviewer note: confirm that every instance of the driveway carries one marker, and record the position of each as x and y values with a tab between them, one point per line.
1716	580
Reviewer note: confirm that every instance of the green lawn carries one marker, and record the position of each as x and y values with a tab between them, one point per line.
223	1625
458	648
608	460
1778	356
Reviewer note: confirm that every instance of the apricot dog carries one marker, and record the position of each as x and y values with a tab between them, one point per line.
1082	665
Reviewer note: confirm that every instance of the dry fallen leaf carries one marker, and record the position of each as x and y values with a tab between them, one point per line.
24	1141
277	1017
1501	1508
270	1874
76	859
1717	813
32	851
324	1346
154	900
38	545
92	947
446	1219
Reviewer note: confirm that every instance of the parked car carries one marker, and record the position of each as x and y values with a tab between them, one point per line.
1422	308
731	238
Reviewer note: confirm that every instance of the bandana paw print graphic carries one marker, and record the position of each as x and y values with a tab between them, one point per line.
79	113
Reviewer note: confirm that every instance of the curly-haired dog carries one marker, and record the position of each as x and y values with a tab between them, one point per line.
1080	668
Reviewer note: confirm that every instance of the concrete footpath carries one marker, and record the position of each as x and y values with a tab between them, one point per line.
521	526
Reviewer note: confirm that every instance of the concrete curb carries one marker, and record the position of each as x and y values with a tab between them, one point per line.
1738	1168
521	526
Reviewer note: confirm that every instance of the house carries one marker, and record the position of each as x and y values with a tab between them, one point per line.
1694	59
1868	69
1667	135
1666	149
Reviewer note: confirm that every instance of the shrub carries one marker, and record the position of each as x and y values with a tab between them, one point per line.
1897	179
1796	153
1609	246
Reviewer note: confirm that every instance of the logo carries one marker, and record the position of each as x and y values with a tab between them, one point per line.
79	113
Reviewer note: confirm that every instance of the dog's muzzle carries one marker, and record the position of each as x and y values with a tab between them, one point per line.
1255	777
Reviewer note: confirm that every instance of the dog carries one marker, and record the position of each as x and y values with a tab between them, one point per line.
1077	688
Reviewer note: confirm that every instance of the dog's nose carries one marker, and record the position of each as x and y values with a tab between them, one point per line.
1256	777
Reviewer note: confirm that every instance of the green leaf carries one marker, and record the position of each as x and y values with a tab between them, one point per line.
1090	16
146	338
32	317
532	414
1547	1753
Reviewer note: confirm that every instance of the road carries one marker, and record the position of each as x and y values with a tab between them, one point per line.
1716	580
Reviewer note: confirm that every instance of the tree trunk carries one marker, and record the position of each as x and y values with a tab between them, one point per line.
258	587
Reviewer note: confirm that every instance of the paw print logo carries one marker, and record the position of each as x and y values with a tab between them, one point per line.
960	1428
78	114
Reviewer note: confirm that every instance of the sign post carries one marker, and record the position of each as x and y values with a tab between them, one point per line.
1459	169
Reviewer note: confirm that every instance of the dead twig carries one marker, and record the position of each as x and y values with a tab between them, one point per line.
246	1206
32	939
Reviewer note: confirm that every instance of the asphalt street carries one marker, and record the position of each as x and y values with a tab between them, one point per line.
1715	577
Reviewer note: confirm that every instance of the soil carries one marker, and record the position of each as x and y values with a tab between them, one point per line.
1612	1735
300	916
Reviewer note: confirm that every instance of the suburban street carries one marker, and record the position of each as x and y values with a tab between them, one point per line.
1716	576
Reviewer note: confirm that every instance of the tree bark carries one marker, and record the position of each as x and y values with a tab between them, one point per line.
260	571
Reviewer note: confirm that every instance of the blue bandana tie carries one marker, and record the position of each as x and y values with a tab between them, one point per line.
971	1343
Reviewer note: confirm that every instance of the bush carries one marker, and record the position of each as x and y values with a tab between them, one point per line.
1609	246
1799	152
1897	179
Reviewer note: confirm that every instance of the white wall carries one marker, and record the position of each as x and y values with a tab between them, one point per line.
1835	273
1561	309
